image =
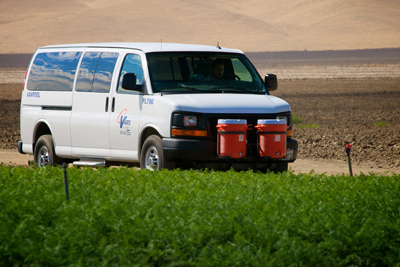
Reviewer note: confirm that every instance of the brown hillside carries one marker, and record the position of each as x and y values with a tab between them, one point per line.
254	25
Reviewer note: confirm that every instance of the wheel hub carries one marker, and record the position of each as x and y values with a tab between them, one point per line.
152	158
43	156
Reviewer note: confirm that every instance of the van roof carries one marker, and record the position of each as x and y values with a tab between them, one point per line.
150	47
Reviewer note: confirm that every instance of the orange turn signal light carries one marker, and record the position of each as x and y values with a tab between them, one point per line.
182	132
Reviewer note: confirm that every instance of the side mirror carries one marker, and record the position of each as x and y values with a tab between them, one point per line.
129	82
271	82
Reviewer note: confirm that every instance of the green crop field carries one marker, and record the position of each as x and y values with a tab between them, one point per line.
125	217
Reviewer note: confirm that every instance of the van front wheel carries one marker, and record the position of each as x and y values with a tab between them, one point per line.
44	152
152	154
280	167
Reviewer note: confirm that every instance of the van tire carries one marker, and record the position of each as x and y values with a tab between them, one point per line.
44	154
152	154
280	167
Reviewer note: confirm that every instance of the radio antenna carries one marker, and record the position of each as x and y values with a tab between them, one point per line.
161	44
218	45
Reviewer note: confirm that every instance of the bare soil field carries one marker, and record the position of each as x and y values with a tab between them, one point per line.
364	113
330	112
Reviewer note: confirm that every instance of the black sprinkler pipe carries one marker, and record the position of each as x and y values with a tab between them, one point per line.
348	149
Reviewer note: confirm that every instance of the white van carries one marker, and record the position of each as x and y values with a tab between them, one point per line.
155	104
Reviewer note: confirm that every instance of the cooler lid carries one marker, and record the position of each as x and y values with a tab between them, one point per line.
269	121
232	121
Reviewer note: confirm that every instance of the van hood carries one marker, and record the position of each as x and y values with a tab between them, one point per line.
228	103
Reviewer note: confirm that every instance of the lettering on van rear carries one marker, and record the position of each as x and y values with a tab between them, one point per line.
33	94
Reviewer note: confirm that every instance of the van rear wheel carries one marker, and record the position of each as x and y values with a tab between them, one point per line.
44	154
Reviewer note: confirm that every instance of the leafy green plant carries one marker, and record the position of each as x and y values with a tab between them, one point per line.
122	216
308	126
296	118
381	124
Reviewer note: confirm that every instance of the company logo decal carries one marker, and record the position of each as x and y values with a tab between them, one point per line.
124	123
33	94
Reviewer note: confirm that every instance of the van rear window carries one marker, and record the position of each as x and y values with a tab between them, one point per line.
53	71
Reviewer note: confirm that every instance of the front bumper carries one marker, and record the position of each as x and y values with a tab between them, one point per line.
189	150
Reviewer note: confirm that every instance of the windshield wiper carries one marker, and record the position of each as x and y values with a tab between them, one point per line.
178	87
239	89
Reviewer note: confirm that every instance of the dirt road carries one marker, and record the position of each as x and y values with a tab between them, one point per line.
328	167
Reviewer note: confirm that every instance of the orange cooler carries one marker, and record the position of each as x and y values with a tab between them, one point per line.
232	138
272	138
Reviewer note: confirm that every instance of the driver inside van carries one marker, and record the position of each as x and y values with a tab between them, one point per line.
217	70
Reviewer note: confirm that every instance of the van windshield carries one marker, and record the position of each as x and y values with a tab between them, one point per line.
201	72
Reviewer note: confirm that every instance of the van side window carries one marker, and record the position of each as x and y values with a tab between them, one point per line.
96	71
132	64
104	72
53	71
86	72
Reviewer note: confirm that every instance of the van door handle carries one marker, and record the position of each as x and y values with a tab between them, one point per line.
113	105
107	104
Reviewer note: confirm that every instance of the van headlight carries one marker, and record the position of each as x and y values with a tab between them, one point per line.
190	121
288	117
188	125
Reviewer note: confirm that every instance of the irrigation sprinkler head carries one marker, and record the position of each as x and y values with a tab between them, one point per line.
347	148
